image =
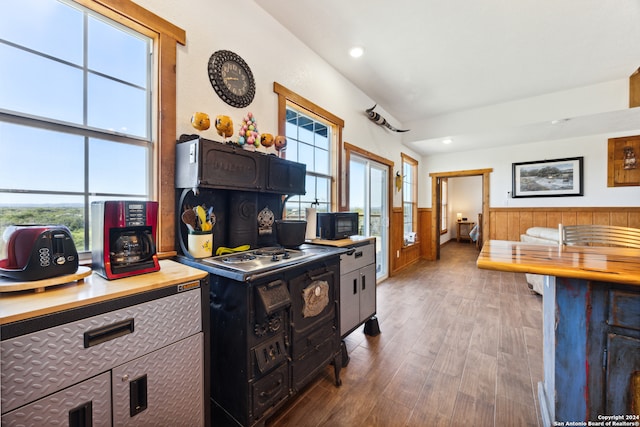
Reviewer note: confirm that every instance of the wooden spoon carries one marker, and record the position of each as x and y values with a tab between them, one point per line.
189	218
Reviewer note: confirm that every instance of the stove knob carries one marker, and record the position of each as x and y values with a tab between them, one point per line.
274	258
286	255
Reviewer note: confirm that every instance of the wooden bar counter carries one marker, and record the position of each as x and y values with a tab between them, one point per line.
591	328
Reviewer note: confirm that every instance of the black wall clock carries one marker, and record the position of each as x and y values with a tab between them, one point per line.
231	78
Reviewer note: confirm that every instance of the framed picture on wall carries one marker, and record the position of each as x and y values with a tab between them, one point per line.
548	178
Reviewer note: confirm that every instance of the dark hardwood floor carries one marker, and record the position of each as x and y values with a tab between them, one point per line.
459	346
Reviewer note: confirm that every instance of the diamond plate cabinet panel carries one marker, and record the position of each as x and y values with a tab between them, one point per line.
51	376
54	410
174	387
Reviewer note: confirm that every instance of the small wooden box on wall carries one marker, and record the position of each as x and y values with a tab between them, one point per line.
624	161
634	89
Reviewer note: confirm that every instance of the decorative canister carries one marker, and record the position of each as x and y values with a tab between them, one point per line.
200	243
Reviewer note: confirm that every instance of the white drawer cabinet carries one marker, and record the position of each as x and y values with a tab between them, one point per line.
147	357
357	286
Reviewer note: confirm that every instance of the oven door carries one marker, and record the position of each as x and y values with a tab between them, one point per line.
313	306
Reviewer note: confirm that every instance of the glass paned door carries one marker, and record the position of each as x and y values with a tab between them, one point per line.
368	195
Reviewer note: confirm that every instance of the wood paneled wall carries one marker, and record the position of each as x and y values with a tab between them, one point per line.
505	224
510	223
408	254
424	229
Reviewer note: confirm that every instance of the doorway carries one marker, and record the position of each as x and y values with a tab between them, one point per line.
436	203
368	183
369	192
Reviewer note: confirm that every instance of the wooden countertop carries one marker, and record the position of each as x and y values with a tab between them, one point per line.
342	242
604	264
16	306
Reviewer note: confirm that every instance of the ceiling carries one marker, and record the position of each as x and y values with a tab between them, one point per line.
429	58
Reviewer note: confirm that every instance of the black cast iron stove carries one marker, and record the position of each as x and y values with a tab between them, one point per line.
274	317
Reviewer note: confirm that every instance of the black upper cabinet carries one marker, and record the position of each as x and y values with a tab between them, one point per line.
208	164
285	177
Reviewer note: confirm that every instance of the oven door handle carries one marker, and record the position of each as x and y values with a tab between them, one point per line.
321	276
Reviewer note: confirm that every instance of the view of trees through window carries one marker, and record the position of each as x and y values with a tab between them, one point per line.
75	114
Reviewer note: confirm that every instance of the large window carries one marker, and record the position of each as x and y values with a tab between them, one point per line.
75	123
313	137
309	142
409	199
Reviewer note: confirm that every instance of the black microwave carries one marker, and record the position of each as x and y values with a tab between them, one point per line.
336	225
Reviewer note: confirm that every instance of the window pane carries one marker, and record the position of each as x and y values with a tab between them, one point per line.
117	53
117	107
322	161
106	156
291	128
291	151
305	155
321	136
323	190
38	86
37	159
49	27
55	210
305	130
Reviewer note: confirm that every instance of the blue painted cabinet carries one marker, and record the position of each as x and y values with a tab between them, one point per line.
591	350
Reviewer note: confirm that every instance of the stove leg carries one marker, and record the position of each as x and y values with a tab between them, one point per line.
371	327
337	366
345	353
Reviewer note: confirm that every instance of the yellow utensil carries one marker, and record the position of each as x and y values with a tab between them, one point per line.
202	217
224	250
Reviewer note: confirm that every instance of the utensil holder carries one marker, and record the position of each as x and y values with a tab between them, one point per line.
200	243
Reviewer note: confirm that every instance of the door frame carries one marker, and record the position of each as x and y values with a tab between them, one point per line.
436	202
350	148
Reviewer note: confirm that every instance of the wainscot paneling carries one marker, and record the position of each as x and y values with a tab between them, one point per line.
424	232
510	223
402	256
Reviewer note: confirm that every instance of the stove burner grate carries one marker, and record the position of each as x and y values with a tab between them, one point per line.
239	258
270	251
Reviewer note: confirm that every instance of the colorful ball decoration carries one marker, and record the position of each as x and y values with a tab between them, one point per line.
280	142
249	131
200	121
224	126
266	139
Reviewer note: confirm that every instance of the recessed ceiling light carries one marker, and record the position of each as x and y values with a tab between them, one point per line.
356	52
447	141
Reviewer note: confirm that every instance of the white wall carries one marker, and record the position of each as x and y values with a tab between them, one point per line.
593	148
465	196
274	55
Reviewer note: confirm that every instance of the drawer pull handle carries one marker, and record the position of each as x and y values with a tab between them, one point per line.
106	333
81	416
364	282
137	395
358	254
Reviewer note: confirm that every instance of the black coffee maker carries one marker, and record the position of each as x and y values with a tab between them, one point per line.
123	238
